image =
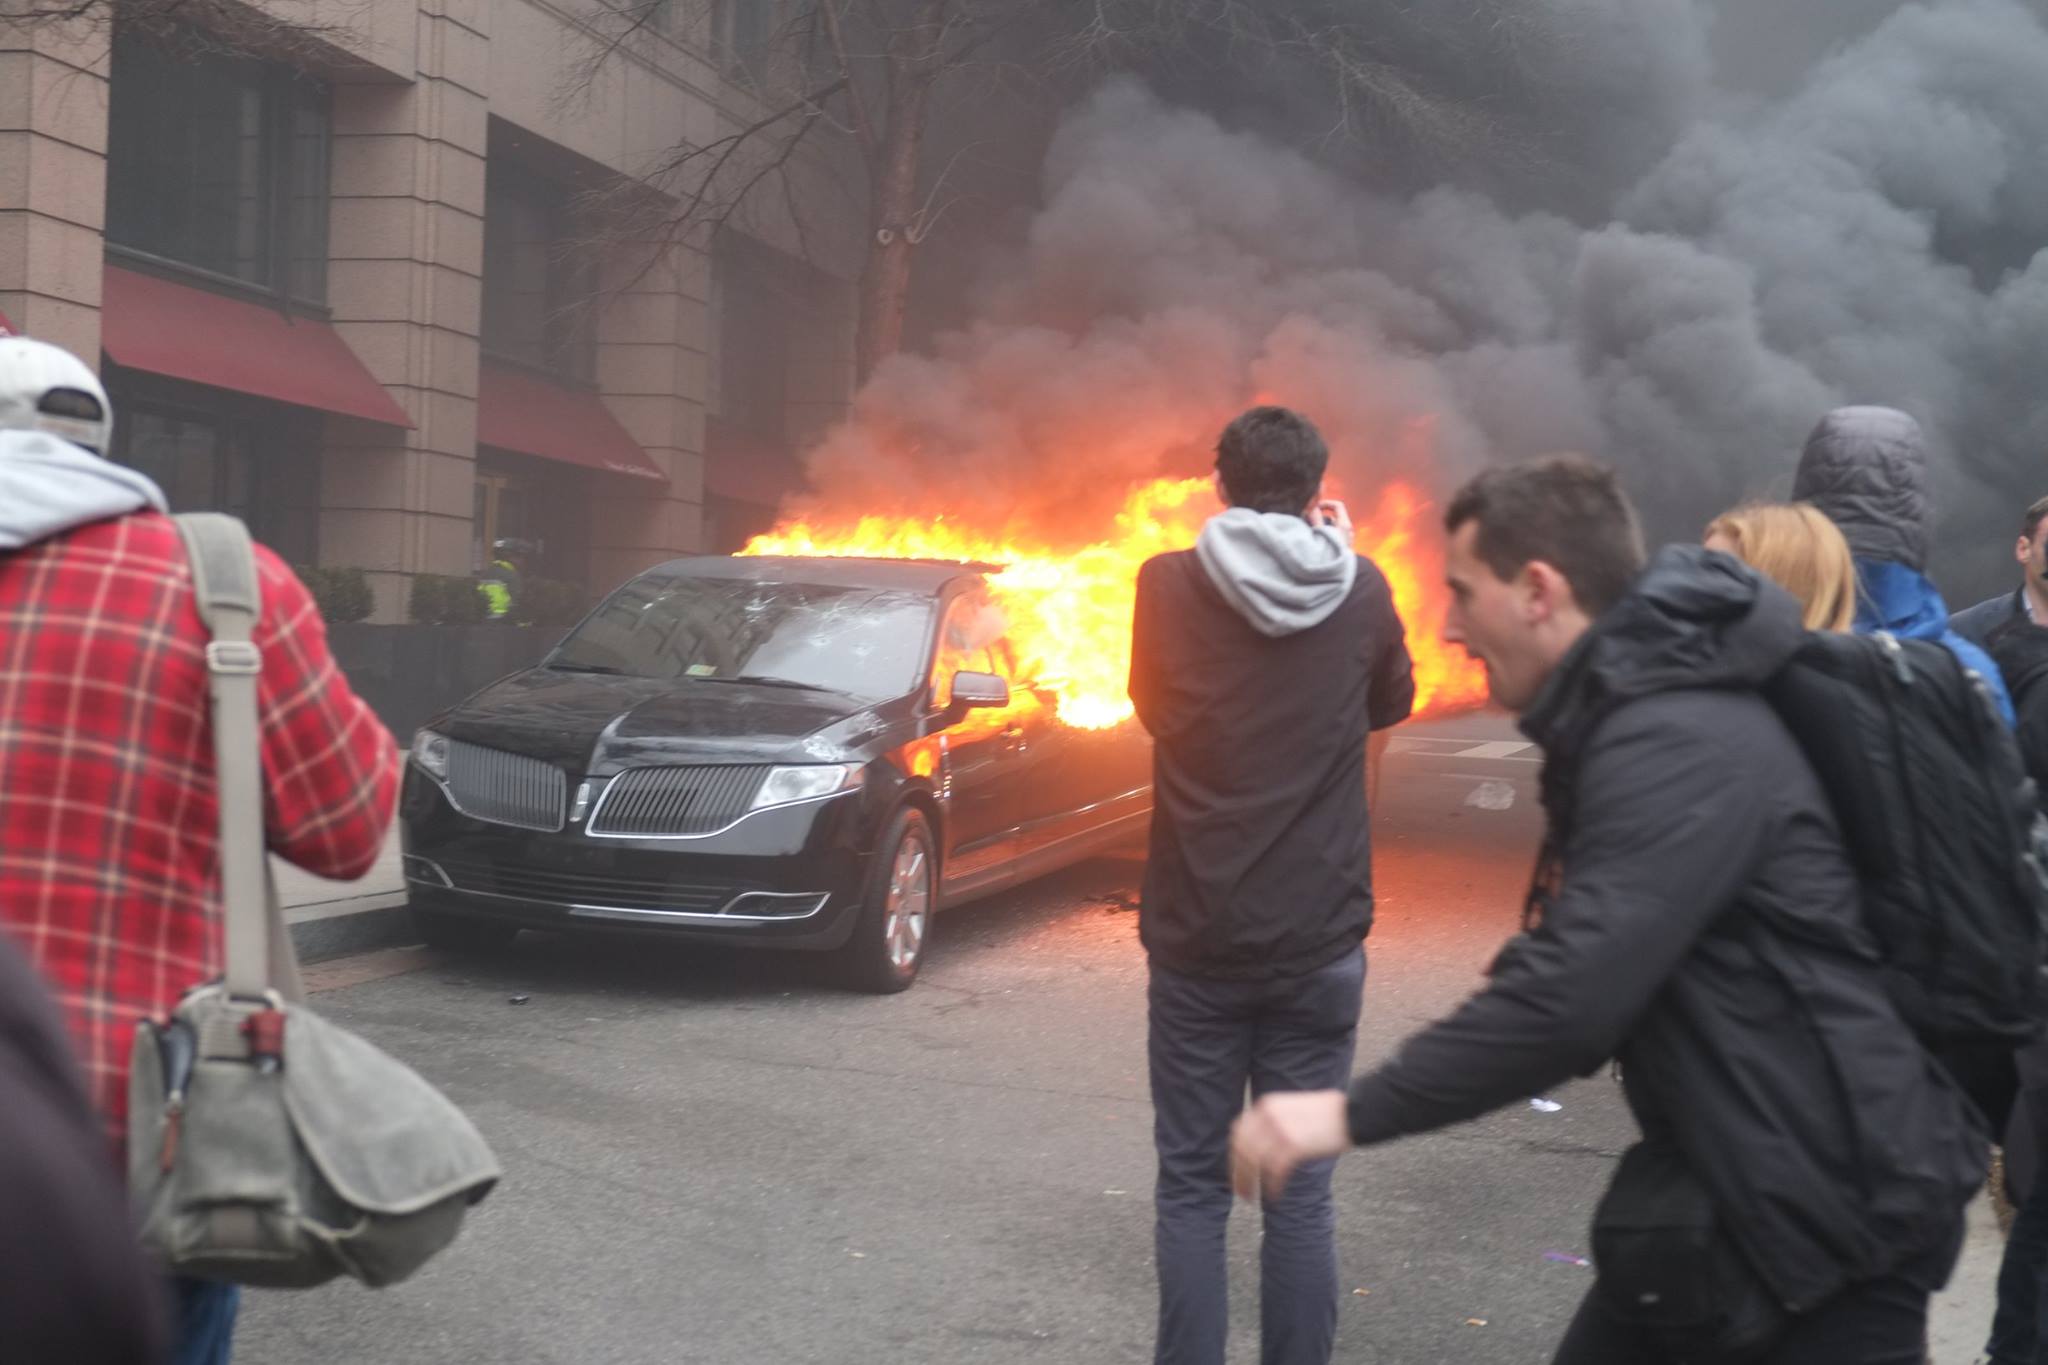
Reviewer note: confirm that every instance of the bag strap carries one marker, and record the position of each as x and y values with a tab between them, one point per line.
229	597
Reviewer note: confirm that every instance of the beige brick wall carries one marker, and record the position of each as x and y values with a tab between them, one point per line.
404	282
53	145
416	84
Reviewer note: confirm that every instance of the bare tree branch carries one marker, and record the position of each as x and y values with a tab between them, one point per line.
863	126
1391	74
632	208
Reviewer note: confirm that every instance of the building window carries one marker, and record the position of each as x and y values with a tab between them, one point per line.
220	165
741	30
534	512
217	452
777	377
756	316
538	287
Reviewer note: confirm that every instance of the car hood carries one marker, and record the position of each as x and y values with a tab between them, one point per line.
591	723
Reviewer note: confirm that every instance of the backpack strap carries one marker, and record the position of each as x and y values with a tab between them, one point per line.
229	597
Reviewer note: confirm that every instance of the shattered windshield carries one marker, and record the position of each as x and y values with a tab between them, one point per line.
863	642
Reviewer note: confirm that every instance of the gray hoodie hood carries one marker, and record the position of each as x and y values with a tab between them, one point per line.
49	486
1866	469
1280	573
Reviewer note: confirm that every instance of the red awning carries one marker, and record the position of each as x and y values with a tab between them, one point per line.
529	415
207	338
6	327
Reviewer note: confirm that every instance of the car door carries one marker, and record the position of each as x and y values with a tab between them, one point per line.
1079	781
982	753
1053	783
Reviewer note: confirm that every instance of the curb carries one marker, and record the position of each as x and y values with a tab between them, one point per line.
351	927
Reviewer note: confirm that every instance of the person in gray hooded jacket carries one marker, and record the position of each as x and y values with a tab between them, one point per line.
1865	468
1260	661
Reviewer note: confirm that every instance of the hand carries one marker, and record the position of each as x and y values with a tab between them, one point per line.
1279	1133
1330	512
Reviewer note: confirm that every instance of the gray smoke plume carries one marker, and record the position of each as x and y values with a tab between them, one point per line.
1875	235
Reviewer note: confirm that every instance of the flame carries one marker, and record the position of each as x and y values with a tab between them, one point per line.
1069	610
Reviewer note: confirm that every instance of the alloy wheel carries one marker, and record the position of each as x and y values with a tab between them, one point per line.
908	908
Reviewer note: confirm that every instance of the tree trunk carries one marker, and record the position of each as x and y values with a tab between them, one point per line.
915	64
885	279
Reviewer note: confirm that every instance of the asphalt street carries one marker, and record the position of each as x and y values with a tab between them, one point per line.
718	1157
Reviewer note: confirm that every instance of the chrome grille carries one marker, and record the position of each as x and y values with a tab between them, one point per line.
506	789
677	802
523	880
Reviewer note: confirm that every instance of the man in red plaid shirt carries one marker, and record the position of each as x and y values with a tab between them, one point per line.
109	867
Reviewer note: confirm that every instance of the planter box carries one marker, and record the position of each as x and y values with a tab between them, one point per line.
407	673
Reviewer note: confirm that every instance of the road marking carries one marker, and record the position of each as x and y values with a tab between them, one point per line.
1429	746
1412	744
1493	748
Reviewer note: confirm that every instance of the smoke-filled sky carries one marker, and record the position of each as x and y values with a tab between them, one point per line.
1792	214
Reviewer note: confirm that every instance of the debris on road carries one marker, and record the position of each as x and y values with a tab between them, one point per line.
1475	1322
1544	1106
517	999
1361	1293
1116	901
1566	1258
1492	796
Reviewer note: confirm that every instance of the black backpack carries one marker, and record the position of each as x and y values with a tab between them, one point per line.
1940	820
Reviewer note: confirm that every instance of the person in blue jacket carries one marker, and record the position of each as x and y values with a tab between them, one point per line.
1866	468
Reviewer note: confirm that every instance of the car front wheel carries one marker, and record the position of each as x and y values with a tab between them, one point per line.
895	922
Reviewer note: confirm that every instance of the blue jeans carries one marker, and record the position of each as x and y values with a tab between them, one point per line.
1208	1041
203	1318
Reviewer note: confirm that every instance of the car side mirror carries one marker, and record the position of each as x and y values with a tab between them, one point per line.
972	691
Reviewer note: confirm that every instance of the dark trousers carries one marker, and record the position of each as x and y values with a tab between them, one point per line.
2019	1332
1208	1041
2019	1336
1882	1322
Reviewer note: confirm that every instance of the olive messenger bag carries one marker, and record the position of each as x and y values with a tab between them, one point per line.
267	1146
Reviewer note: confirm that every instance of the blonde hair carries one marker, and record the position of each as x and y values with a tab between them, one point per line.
1797	547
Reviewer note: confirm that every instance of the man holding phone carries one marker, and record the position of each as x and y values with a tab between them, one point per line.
1261	660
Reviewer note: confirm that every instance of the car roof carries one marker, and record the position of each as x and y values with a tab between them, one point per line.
901	575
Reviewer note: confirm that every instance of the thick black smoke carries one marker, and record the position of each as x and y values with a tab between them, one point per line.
1877	234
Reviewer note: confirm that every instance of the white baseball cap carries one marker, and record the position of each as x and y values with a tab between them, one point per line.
46	388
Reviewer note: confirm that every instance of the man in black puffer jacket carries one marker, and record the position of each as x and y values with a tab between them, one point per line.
1800	1187
2020	648
2019	1335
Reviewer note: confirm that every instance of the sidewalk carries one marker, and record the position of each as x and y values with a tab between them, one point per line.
328	919
1960	1318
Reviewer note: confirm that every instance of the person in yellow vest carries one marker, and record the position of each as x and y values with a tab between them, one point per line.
501	584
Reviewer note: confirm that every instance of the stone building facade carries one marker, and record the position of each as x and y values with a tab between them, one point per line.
352	295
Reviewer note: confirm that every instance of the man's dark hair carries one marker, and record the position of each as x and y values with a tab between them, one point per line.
2036	514
1565	510
1271	460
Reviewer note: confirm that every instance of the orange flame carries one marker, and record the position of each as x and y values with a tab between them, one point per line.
1070	610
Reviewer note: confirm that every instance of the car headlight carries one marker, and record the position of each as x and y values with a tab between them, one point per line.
430	751
806	783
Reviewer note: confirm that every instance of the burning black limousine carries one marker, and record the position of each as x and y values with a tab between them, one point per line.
786	752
